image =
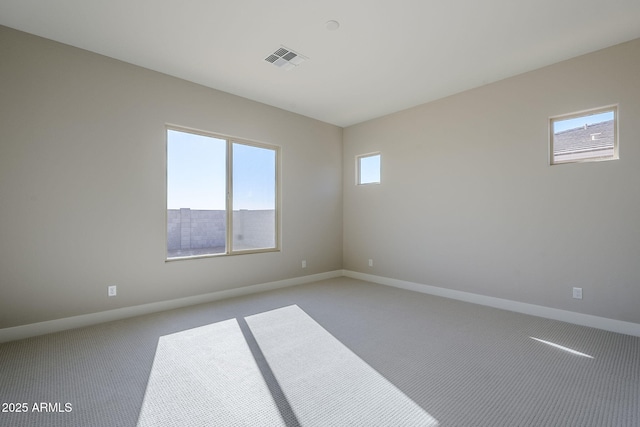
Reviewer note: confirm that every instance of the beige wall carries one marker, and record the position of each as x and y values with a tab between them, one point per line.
469	202
82	184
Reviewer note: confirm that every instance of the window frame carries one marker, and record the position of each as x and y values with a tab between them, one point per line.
359	158
585	113
230	141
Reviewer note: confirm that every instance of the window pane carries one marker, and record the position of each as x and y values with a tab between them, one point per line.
369	169
254	197
196	194
589	136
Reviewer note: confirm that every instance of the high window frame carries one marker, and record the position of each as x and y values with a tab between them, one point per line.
234	215
369	168
584	136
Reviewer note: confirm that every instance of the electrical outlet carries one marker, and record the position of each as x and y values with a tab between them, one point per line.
577	293
112	291
370	263
304	263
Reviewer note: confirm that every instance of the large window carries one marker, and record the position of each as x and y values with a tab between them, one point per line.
222	195
584	137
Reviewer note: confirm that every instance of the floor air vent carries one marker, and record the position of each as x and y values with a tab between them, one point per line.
285	58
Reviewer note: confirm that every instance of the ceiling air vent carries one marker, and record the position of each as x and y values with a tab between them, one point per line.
285	58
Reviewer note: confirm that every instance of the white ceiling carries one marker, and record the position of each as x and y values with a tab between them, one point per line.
385	57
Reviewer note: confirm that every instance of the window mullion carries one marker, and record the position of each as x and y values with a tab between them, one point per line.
229	197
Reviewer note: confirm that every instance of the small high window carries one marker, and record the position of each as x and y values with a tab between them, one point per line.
368	169
584	137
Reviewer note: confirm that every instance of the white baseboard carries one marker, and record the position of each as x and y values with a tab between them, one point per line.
519	307
41	328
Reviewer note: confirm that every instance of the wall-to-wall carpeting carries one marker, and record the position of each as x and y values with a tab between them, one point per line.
450	363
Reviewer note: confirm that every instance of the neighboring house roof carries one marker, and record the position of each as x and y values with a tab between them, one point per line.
586	139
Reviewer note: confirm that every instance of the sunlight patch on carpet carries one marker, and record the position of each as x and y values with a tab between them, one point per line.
277	368
563	348
325	382
204	377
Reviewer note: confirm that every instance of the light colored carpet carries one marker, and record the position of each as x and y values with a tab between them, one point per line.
210	376
316	354
207	376
325	382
